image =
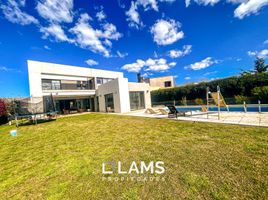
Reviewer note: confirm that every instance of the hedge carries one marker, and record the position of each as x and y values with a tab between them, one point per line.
232	86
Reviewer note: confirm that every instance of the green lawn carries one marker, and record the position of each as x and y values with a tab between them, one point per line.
62	159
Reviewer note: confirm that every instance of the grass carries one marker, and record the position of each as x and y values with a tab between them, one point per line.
62	159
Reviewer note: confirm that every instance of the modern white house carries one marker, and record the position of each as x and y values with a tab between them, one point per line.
79	89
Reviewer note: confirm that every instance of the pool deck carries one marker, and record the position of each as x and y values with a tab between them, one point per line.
240	118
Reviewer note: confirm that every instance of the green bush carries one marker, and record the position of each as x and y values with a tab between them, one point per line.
239	99
199	101
261	92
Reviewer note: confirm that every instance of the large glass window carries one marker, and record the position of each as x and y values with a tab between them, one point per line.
48	84
109	102
101	81
51	84
55	85
82	85
136	100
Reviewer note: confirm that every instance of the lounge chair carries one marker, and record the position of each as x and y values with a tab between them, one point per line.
204	109
173	112
151	111
163	111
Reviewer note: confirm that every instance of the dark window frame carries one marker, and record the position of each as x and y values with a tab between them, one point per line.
167	83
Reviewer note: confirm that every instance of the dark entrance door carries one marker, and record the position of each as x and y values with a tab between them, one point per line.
109	102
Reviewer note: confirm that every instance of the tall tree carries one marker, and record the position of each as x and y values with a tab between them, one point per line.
260	65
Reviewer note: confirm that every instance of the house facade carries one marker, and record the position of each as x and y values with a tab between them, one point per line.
160	82
79	89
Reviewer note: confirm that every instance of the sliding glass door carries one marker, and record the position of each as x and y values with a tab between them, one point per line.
136	100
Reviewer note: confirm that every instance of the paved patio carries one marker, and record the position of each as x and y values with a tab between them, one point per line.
241	118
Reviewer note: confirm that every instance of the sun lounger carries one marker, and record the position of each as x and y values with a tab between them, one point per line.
173	112
204	109
151	111
163	111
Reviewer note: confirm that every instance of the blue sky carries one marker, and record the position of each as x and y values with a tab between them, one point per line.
194	40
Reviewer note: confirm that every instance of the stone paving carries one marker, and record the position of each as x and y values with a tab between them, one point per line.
241	118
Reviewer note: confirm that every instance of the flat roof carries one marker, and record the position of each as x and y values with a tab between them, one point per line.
160	77
61	65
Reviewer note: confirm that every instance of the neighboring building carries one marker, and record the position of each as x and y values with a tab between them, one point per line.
160	82
85	89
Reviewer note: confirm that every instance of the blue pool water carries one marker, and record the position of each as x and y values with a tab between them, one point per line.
264	108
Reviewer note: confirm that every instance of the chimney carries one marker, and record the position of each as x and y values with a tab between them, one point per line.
140	78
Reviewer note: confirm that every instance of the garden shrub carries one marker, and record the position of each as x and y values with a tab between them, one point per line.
199	101
3	112
239	99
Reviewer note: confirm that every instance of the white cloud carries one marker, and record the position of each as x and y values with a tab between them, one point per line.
207	62
180	53
236	1
166	32
261	54
133	16
13	13
187	78
5	69
265	42
155	54
109	32
245	7
134	67
91	62
210	73
249	7
56	11
55	31
121	55
148	4
154	65
101	15
168	1
147	74
47	47
187	3
173	64
252	53
202	2
94	39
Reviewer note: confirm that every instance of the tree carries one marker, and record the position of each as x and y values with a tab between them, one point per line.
3	112
261	92
260	65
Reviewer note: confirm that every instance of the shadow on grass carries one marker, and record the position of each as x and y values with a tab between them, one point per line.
39	121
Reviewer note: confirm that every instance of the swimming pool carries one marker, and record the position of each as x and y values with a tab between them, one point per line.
232	108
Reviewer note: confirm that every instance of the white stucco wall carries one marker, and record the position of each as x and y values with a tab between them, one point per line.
145	87
38	70
119	89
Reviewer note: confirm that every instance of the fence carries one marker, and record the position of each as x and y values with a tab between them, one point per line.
199	102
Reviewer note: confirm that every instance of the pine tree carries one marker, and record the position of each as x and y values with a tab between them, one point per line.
260	65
